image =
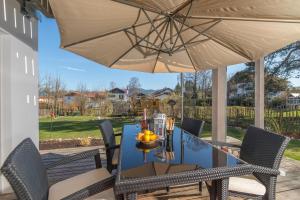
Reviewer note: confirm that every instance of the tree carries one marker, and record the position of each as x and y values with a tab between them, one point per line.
112	85
205	83
46	90
177	88
196	82
134	86
53	89
285	62
58	94
81	99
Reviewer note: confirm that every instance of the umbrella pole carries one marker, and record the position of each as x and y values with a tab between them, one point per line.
181	80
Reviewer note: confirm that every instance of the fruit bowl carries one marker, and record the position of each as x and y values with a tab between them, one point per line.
147	137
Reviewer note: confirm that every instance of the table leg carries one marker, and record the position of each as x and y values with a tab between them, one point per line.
222	189
213	190
131	196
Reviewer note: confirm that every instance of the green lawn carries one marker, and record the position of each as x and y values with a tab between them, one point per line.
87	126
75	127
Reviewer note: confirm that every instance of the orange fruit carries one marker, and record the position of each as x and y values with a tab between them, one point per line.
153	137
140	136
147	132
146	138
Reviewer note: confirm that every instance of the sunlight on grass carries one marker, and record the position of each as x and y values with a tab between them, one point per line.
87	126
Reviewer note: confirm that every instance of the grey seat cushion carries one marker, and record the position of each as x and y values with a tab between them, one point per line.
69	186
115	159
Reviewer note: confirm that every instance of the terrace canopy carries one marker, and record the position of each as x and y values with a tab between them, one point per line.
180	36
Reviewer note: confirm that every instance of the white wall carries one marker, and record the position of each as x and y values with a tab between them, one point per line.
18	81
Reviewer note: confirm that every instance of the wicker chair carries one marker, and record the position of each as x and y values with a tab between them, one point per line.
112	150
264	150
193	126
27	175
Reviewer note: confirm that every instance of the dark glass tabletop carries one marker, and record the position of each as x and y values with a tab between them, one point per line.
179	152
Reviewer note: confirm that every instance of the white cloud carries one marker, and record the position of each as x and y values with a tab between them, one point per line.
75	69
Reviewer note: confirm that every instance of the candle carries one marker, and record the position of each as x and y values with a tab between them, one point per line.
145	114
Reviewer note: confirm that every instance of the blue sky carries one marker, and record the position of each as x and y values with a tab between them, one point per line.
74	69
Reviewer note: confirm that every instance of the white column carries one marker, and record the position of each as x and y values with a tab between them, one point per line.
219	103
259	93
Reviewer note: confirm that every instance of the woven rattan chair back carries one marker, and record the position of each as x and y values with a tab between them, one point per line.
108	134
193	126
109	139
26	173
263	148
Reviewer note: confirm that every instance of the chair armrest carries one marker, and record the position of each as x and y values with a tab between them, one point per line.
92	189
217	143
72	158
265	170
113	147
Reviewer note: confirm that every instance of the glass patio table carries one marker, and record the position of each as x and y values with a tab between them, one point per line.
179	159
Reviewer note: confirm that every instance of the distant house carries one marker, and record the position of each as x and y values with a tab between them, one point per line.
140	95
117	94
242	90
162	94
293	99
70	98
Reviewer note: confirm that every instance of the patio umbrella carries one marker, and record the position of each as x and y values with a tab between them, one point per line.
175	35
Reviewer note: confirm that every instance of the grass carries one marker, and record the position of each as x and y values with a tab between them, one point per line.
75	127
87	126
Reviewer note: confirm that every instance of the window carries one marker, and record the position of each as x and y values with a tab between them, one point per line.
32	66
31	32
15	17
27	98
24	29
4	10
26	66
34	100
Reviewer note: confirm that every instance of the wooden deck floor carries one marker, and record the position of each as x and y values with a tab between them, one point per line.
288	187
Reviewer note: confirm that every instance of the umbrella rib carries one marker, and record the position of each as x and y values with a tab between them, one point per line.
152	44
157	57
182	7
155	40
110	33
190	44
222	44
178	33
153	26
228	47
244	19
201	33
134	45
185	47
154	49
132	4
136	40
186	29
138	17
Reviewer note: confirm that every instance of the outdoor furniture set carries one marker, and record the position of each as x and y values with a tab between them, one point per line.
139	169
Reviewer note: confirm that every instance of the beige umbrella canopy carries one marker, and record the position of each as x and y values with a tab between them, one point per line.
175	35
